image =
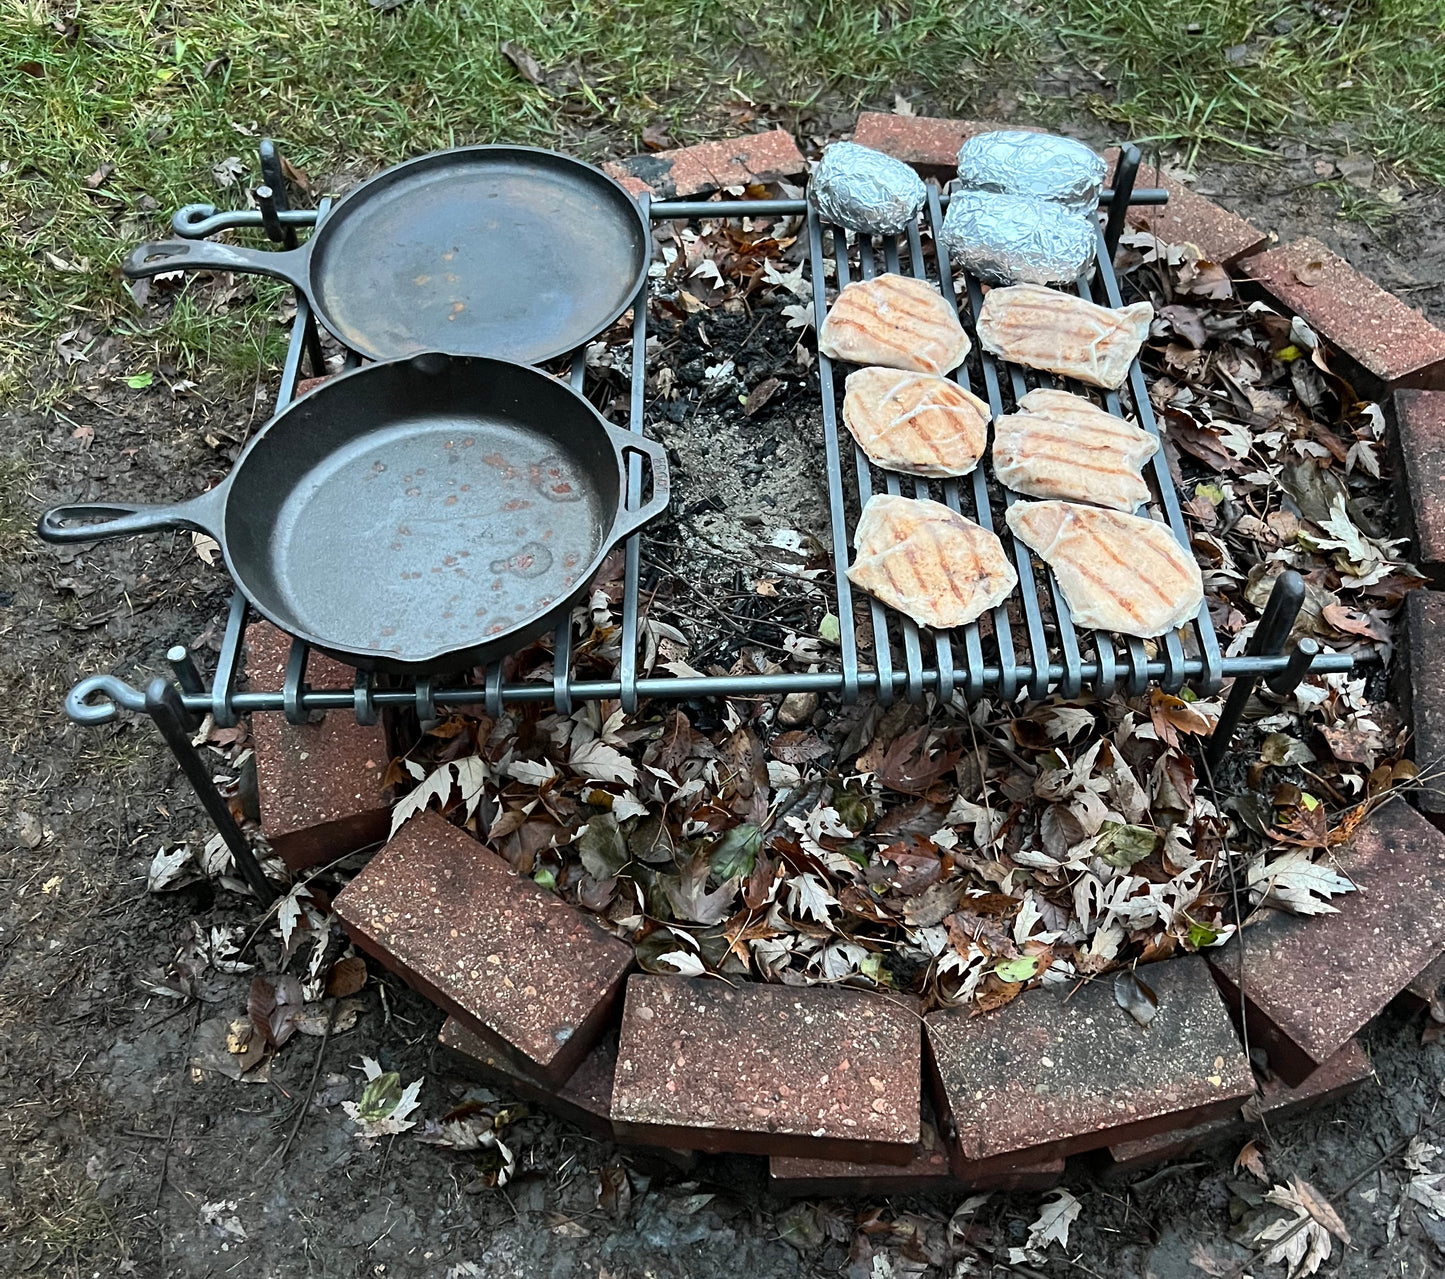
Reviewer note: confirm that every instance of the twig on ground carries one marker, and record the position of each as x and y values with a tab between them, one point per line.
310	1092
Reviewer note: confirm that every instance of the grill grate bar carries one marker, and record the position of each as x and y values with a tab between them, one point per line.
982	512
1028	587
632	556
882	648
837	516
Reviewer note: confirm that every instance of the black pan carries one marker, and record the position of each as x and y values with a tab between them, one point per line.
423	515
505	251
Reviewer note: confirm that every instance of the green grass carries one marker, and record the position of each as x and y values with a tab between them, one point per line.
164	92
1239	73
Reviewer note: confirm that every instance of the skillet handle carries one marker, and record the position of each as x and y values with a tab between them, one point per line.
628	522
161	256
121	519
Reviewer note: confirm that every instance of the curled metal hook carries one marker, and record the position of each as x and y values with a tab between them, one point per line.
84	705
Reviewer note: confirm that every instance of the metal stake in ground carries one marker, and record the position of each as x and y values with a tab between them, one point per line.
1269	637
176	724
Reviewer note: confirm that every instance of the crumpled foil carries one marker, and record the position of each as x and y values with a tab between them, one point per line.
865	190
1014	162
1017	239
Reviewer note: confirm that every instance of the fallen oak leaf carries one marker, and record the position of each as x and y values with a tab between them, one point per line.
347	977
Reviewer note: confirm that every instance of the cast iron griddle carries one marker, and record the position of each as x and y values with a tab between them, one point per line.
511	252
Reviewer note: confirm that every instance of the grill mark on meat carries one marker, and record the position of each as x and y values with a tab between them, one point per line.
1077	462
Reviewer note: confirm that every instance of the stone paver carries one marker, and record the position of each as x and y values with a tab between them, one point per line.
584	1100
816	1072
1391	341
1310	983
534	977
710	166
1420	680
1420	448
1276	1101
320	785
1221	236
1047	1076
1426	986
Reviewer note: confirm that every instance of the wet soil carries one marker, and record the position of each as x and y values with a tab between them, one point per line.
116	1158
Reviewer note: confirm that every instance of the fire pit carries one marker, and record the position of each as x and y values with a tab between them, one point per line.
1174	1058
1029	643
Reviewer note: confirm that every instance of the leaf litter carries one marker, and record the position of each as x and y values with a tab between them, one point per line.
962	853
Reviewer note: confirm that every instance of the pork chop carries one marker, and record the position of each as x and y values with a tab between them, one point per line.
915	422
929	562
1063	446
1117	572
895	321
1046	329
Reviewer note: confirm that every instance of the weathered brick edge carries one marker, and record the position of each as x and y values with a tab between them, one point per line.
1411	353
1389	343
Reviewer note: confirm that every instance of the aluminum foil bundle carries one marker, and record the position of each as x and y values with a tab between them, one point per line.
1014	162
1017	239
865	190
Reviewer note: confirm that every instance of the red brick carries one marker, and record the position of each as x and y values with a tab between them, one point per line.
1046	1076
1420	687
1034	1178
1312	982
1341	1075
1425	989
1338	1077
1390	341
535	978
817	1072
928	1170
710	166
930	144
1218	234
1167	1147
584	1100
320	785
1420	450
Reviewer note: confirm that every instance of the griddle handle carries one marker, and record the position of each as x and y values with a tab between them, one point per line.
291	265
121	519
628	522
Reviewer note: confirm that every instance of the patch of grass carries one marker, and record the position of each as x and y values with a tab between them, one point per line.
16	520
164	93
149	98
1242	72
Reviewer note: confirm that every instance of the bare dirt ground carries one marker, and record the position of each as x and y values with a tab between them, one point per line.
117	1159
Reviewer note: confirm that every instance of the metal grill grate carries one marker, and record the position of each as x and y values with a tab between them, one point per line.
1031	640
1028	643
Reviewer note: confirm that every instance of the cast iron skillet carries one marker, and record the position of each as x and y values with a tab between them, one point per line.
513	252
424	515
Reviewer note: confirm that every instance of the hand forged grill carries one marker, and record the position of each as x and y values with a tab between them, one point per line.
1027	644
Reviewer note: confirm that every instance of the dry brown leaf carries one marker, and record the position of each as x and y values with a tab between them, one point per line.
1319	1208
1251	1161
347	977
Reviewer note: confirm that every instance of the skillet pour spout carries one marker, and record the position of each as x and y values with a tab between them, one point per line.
421	515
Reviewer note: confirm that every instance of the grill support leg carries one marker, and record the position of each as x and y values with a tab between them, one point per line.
176	724
1268	640
278	200
1125	171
